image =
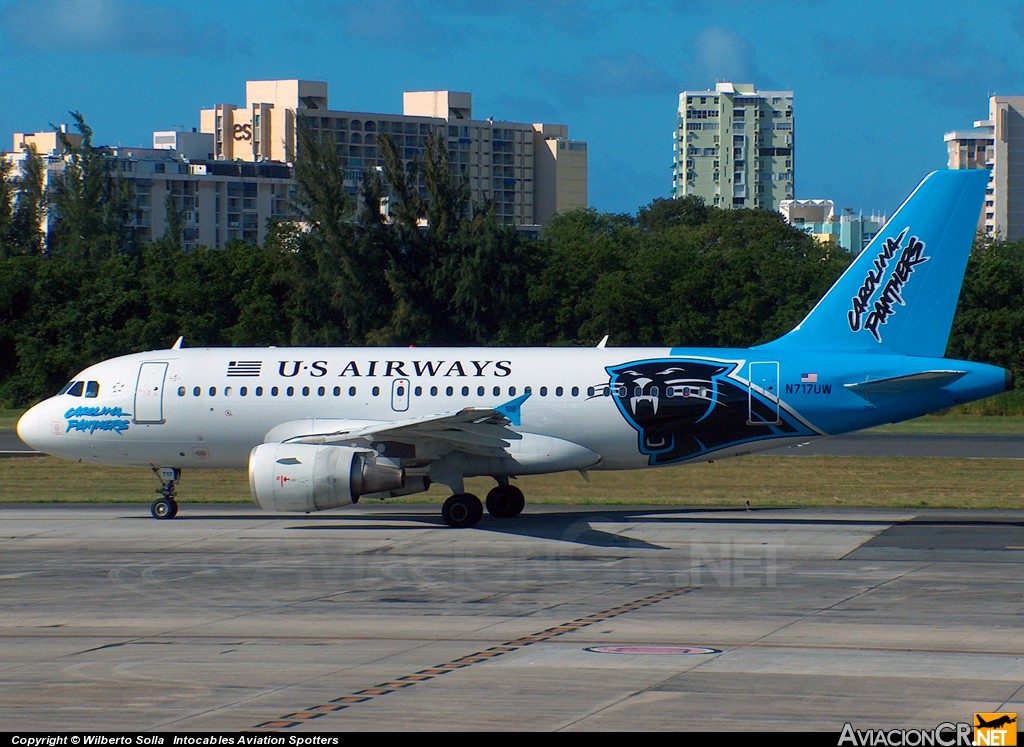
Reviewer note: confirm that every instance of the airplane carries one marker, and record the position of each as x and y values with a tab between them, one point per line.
995	723
320	428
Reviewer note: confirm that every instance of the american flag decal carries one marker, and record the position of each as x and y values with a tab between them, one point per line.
244	368
809	378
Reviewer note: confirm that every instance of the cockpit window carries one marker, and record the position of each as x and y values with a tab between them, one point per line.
74	388
92	389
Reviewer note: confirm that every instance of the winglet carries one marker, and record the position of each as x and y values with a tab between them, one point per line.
178	343
511	409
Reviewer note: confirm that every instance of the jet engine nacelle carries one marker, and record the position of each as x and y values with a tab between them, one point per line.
307	477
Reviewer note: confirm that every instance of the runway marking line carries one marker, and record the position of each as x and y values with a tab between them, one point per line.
336	705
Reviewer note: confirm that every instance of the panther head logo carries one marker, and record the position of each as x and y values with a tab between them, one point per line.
684	407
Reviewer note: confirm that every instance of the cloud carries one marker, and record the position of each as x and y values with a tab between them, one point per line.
722	54
113	26
946	68
610	76
395	23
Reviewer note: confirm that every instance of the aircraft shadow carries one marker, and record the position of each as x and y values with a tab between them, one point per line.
576	526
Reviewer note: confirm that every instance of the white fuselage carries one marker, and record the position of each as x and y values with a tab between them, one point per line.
208	408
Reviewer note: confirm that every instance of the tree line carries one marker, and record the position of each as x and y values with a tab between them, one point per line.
437	271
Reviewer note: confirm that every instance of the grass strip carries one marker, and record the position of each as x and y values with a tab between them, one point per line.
896	482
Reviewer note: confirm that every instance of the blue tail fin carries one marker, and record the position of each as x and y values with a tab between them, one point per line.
900	294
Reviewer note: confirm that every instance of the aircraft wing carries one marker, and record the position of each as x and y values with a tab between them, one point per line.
481	431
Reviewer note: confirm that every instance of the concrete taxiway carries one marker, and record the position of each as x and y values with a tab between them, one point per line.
379	618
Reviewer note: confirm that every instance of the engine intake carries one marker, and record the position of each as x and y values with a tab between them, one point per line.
307	477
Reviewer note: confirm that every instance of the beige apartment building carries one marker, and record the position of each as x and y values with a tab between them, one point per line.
217	202
234	175
529	171
997	144
734	146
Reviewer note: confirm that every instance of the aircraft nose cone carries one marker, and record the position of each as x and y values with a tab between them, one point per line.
28	427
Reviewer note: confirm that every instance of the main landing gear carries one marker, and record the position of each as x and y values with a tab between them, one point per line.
165	507
462	510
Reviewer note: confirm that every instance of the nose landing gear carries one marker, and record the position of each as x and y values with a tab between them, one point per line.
165	507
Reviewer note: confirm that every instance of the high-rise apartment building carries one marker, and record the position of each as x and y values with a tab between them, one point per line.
734	146
997	144
528	171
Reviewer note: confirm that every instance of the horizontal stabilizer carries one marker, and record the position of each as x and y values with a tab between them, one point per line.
917	382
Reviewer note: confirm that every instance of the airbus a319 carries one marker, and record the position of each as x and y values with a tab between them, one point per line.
320	428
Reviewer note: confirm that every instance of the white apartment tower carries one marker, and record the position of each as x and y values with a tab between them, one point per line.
734	146
997	144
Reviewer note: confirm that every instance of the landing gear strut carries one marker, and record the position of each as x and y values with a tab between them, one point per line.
165	507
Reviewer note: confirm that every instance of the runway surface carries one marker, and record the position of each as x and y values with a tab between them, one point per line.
379	618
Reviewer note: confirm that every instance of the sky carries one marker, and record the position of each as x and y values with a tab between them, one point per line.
876	84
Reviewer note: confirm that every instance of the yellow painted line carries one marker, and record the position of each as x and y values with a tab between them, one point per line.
423	675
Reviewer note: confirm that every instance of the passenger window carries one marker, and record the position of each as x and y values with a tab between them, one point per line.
497	391
227	391
337	391
290	391
92	389
449	391
196	391
242	391
181	391
465	391
543	391
259	391
400	391
511	391
305	391
590	391
213	391
273	391
321	391
351	391
480	391
528	390
375	391
418	391
558	391
575	391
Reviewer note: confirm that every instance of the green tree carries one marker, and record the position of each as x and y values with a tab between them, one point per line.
25	198
92	204
989	322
